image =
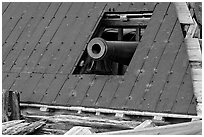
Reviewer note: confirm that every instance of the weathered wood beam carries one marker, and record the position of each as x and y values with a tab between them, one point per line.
188	128
10	105
88	121
111	111
78	130
183	13
22	128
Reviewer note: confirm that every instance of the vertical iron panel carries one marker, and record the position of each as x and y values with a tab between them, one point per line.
108	91
184	95
13	36
169	92
9	80
137	61
11	15
20	46
20	82
79	92
50	55
54	88
5	6
28	87
66	92
35	40
46	39
94	91
41	87
73	30
152	61
85	34
192	107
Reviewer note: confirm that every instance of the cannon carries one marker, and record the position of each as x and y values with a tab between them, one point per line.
117	51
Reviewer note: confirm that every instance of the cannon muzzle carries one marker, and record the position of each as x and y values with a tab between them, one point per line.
117	51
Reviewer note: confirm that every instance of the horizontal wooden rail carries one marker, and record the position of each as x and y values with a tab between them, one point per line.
101	110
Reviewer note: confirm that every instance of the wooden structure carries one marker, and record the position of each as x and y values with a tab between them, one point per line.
10	105
43	43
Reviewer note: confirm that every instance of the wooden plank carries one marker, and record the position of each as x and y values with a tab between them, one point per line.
150	6
191	30
196	74
192	43
184	95
192	107
78	130
85	34
142	92
187	128
108	91
111	111
174	81
73	17
66	92
139	55
47	39
12	14
5	6
19	82
73	33
60	38
9	80
193	49
136	6
145	124
29	86
197	88
13	36
123	7
88	121
80	90
158	80
41	88
183	13
4	75
38	33
53	89
26	36
94	91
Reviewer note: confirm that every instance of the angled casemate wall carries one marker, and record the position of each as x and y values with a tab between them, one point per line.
43	42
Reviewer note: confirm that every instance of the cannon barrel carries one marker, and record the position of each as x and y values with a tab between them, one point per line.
117	51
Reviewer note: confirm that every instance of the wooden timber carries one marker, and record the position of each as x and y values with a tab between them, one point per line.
88	121
188	128
20	127
110	111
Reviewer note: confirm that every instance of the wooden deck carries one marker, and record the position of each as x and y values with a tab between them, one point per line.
42	43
